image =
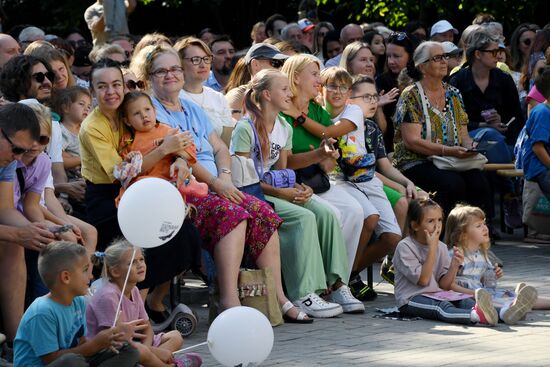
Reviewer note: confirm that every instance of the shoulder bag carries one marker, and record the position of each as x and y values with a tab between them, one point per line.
447	162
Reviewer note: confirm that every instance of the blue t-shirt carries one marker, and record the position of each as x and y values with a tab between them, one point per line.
195	120
538	130
7	173
46	327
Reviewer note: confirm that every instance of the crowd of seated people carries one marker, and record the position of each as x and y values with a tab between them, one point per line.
357	113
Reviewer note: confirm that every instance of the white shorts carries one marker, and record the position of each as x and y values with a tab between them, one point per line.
370	195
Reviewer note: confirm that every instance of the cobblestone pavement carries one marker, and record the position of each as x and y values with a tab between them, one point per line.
352	340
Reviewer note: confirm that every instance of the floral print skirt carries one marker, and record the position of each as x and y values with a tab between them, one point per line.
216	217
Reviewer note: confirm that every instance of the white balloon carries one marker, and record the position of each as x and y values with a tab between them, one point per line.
240	336
151	212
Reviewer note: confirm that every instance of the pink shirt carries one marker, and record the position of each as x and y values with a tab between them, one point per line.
100	312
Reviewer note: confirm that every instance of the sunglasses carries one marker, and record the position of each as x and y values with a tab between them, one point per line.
43	140
438	58
277	64
40	77
14	148
398	36
132	85
493	52
196	60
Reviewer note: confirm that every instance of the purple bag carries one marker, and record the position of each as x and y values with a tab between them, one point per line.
280	178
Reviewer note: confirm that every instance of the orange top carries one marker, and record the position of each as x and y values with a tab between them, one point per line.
145	143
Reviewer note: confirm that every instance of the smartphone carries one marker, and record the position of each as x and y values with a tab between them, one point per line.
475	150
327	143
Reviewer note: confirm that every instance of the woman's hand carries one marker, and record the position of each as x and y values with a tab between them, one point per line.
299	194
175	143
180	168
388	98
225	189
458	151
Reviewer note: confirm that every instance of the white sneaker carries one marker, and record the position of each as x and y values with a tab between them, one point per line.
344	298
525	299
315	306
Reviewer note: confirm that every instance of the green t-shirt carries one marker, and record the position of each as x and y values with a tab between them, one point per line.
302	139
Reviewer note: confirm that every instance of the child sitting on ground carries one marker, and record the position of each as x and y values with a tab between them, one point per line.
466	230
154	350
423	268
53	330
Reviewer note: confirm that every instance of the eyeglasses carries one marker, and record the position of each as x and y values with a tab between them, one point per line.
337	88
132	85
277	64
196	60
493	52
161	73
438	58
14	148
40	77
368	98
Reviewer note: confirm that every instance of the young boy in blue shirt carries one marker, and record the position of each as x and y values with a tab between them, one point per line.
52	331
533	146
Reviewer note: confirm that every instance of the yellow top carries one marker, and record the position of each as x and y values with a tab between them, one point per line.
99	147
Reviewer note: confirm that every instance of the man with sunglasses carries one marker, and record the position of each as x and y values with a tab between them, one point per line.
19	129
263	56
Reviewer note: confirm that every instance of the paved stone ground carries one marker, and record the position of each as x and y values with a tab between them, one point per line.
352	340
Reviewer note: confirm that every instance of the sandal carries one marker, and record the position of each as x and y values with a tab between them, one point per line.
300	319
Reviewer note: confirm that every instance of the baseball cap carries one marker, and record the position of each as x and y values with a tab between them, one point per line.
306	25
450	48
441	27
264	51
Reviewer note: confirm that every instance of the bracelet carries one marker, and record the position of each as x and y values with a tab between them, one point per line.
212	180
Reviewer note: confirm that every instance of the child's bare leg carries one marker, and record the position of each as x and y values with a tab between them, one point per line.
369	224
89	233
171	341
157	296
400	210
542	303
147	358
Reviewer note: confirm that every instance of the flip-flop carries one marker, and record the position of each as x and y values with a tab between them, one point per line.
300	319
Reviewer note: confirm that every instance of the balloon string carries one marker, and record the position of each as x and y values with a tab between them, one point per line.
191	347
124	286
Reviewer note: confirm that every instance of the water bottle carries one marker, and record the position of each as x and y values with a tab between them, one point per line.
490	280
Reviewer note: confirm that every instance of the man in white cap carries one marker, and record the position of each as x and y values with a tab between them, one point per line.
443	31
264	56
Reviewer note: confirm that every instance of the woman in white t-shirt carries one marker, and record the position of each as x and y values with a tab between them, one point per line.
196	60
313	253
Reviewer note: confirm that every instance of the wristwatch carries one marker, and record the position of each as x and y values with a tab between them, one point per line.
225	170
300	120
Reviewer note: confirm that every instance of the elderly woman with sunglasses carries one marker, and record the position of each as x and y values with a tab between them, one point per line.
196	61
449	135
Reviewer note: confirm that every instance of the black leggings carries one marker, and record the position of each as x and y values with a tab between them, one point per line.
452	187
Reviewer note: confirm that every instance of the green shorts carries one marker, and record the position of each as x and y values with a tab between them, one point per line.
392	195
